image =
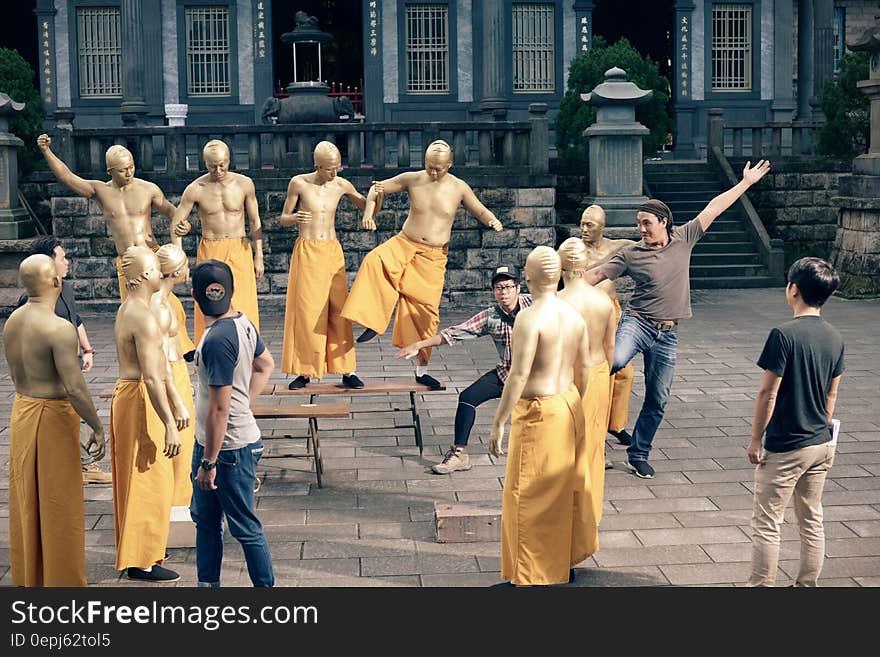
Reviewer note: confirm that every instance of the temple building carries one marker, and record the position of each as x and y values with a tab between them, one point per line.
214	62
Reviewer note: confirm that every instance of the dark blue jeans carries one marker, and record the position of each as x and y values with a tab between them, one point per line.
488	386
658	348
234	497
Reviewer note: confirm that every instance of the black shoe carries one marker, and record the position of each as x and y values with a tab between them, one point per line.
367	335
190	356
571	575
156	574
298	382
352	381
428	380
622	437
503	585
642	469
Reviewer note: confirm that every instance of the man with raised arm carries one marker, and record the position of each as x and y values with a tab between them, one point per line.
541	537
46	518
598	313
317	338
223	197
408	270
143	428
126	202
600	249
660	266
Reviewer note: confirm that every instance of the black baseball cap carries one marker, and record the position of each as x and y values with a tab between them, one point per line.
504	271
212	285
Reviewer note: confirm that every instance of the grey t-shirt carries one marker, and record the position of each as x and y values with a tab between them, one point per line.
662	278
225	357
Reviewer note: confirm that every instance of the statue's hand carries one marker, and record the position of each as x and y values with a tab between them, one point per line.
496	225
181	418
96	445
182	228
172	441
368	223
303	216
44	141
259	269
496	435
379	187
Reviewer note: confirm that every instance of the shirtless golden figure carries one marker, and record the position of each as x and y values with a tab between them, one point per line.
408	270
541	537
317	338
223	197
46	518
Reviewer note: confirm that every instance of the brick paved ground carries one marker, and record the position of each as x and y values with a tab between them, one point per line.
371	525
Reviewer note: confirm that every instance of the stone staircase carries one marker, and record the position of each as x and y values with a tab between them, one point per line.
725	257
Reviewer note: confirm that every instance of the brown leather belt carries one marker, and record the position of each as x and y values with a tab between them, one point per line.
665	325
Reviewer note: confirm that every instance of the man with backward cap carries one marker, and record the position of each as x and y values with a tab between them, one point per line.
659	264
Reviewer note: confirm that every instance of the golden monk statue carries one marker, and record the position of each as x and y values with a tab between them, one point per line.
126	202
599	250
46	518
408	270
174	268
317	338
598	313
223	197
541	538
143	431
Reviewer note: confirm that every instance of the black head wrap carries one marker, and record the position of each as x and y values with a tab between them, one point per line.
660	210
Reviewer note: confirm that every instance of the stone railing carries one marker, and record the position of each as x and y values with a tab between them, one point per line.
770	249
516	146
761	139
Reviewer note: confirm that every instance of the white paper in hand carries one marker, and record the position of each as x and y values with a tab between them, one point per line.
835	430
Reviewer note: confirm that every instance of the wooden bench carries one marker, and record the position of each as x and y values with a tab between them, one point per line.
310	412
371	387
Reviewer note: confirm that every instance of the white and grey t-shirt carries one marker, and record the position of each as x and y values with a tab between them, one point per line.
225	357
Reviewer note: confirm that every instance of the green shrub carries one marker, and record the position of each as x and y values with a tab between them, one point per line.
17	81
588	70
846	108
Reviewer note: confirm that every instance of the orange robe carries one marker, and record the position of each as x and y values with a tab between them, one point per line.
623	383
47	545
317	338
182	463
406	274
596	403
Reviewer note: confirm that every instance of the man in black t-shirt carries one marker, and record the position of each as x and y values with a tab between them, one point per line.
802	362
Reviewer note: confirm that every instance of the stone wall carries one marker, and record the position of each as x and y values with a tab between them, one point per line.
794	202
527	213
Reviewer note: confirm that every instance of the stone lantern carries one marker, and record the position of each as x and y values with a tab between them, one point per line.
616	148
856	251
14	220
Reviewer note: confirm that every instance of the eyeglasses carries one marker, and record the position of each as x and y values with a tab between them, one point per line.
504	288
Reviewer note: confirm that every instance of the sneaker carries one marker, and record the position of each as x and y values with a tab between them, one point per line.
622	436
608	464
642	469
156	574
367	335
454	459
257	484
352	381
92	474
298	382
428	380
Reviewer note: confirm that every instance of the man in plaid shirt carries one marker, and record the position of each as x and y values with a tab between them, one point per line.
497	322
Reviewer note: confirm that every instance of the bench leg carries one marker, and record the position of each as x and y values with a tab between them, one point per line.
316	450
417	424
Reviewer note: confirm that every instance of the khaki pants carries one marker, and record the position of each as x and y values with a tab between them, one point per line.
800	473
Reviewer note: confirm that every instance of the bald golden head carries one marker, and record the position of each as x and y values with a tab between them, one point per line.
171	258
139	264
573	256
438	158
542	268
116	156
326	151
215	148
39	276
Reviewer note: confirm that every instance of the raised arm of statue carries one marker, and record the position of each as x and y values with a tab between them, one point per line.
473	205
377	194
180	225
81	186
356	197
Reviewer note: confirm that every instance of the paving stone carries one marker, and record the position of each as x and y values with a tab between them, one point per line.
617	521
359	548
620	576
462	579
417	530
864	528
698	490
680	504
691	536
711	573
839	567
653	555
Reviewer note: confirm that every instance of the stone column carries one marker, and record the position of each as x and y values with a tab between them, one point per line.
682	51
805	60
823	50
783	104
493	99
14	220
133	107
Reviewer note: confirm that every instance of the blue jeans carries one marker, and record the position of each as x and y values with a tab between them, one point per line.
234	497
658	348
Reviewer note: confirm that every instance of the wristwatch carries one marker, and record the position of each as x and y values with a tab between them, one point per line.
207	465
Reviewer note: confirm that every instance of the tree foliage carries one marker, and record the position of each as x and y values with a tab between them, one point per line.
846	108
17	81
588	70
